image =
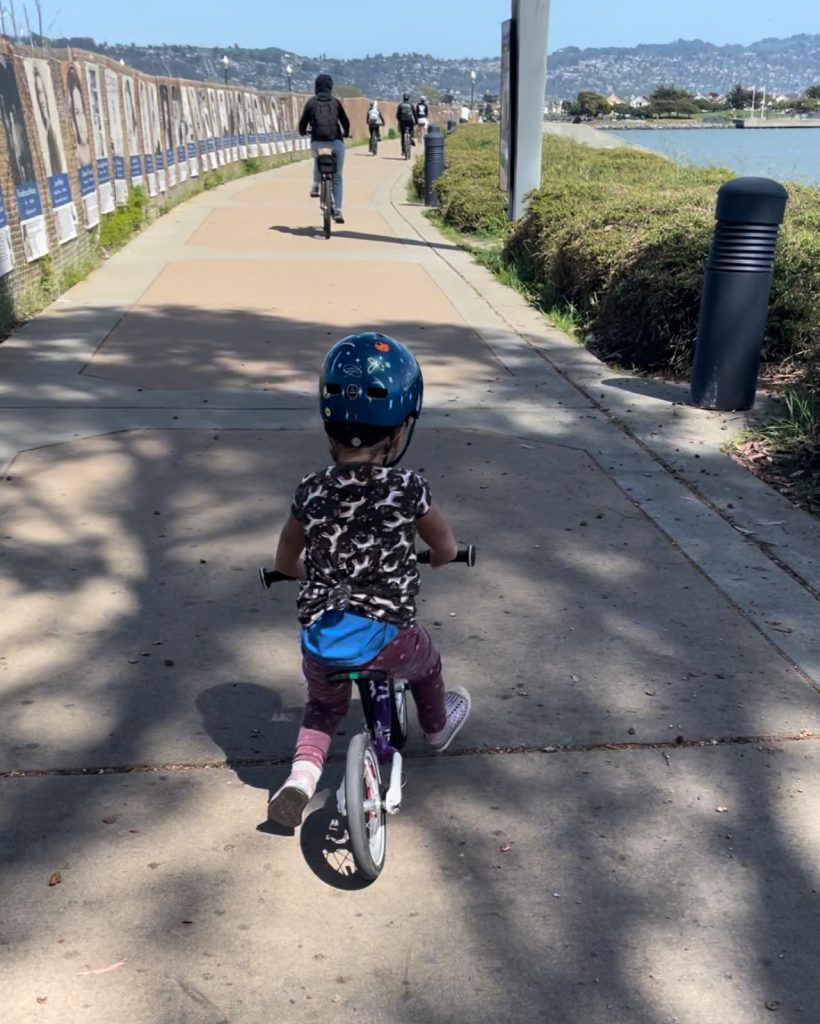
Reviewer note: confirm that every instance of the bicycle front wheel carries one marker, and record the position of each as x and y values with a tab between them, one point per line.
366	815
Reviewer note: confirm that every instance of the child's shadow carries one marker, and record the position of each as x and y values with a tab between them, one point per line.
256	731
253	727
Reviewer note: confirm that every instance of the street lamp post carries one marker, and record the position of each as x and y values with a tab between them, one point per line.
225	65
472	90
289	72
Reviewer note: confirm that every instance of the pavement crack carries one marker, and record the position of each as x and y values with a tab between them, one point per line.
678	743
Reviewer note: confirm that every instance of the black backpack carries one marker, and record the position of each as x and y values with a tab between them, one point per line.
405	112
325	119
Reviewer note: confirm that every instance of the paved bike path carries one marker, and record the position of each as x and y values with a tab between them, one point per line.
623	831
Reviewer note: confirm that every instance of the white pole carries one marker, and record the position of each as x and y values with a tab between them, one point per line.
530	23
763	104
754	93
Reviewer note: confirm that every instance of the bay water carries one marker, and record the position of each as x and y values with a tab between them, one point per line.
785	154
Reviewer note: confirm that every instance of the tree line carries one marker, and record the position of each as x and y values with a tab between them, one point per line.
670	102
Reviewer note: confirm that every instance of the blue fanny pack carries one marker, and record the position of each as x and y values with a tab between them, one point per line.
346	639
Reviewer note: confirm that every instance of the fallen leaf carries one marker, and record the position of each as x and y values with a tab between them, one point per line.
55	879
42	999
105	970
108	820
721	810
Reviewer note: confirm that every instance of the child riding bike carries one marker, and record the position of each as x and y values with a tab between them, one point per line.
356	522
325	118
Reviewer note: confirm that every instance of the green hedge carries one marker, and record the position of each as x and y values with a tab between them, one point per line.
622	235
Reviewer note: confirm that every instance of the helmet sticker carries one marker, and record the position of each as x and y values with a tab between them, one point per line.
351	370
327	412
375	363
352	391
382	346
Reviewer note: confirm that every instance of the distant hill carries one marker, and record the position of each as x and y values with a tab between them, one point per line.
780	65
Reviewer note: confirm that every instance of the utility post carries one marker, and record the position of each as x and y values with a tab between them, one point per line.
523	85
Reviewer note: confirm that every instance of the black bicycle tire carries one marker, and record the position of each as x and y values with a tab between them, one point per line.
360	748
326	208
398	721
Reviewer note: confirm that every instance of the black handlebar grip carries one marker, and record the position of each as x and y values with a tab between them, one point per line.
466	554
270	576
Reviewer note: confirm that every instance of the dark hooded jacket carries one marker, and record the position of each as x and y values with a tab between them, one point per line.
324	116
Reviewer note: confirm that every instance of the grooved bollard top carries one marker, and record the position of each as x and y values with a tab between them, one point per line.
751	201
434	130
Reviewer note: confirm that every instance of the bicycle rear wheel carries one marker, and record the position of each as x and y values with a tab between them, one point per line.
366	815
327	206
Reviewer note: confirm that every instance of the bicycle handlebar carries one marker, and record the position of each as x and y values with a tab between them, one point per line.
466	554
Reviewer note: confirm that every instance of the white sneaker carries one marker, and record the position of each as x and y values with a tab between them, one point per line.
288	803
457	709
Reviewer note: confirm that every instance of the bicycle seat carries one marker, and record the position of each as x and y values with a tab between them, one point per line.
357	675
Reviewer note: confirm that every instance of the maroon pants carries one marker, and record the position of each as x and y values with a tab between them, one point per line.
411	656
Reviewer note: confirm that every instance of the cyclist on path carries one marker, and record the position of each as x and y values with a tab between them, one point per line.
325	118
422	113
356	522
406	117
375	121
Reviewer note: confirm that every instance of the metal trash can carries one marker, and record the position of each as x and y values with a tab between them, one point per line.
433	163
736	290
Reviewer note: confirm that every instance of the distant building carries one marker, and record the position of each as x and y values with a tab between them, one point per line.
614	101
638	102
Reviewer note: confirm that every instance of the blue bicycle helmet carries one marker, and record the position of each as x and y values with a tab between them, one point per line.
370	386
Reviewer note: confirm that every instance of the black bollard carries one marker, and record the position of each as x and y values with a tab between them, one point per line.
433	163
736	288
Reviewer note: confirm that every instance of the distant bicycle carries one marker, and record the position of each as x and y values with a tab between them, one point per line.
374	140
406	142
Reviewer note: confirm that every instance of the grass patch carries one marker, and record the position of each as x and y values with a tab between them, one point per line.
785	451
120	226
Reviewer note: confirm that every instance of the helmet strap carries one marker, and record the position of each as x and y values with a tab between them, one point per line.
408	437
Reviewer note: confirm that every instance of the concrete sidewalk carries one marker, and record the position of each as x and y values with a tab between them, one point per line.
625	832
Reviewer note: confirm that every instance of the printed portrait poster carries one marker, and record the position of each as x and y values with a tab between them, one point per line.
232	142
106	187
208	126
47	126
166	126
6	250
241	124
278	136
27	194
216	124
156	136
148	149
133	149
188	132
179	130
198	132
250	125
115	133
263	115
81	134
221	127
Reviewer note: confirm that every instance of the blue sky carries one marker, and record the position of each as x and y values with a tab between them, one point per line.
445	28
